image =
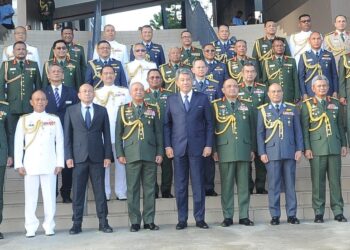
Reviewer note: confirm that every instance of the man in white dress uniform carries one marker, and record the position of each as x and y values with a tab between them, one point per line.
111	97
39	157
136	71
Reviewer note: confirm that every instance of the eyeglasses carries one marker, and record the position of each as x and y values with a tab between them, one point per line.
306	21
61	48
154	77
209	50
104	48
140	50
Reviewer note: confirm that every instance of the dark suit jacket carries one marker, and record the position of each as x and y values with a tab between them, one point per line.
68	97
188	131
82	143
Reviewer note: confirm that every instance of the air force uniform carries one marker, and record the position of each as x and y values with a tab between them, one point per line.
154	53
112	97
313	63
279	135
217	71
39	149
224	51
93	72
118	52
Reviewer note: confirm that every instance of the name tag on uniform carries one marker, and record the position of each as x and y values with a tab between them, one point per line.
288	113
310	60
68	102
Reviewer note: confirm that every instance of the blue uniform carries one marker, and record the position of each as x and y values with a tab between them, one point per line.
223	52
217	71
280	145
210	88
154	53
310	66
94	67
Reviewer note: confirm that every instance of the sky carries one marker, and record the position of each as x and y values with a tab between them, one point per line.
135	18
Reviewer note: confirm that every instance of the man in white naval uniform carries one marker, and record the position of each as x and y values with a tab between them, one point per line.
118	51
111	97
299	42
137	70
39	157
20	34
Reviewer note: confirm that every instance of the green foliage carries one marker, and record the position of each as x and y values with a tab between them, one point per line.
173	15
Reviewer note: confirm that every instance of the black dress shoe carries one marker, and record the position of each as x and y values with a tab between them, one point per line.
135	227
211	192
151	226
261	191
319	218
246	222
181	225
75	229
105	228
202	224
275	221
340	218
293	220
121	199
167	195
66	200
227	222
1	236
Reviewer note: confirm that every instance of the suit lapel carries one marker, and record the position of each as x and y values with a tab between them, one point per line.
182	105
81	118
95	114
193	100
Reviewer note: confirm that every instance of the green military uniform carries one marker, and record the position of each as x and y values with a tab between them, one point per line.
160	99
139	138
234	134
4	110
255	97
76	52
235	66
71	70
168	71
21	79
344	88
323	133
262	49
282	70
188	56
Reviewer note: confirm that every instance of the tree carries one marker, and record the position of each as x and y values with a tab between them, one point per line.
173	15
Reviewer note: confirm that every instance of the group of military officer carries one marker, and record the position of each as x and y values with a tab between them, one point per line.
253	101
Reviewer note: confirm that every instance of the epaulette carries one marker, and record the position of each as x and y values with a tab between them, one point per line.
216	100
263	105
330	33
212	80
244	100
260	84
307	99
334	98
289	103
3	102
166	90
163	65
24	115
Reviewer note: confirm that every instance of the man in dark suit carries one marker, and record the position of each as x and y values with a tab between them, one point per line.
60	97
188	138
88	150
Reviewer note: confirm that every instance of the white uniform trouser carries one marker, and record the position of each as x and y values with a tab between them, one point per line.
48	189
119	180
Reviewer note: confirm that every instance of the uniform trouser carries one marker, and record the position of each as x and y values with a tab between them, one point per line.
2	181
12	120
184	167
47	23
167	176
229	173
260	174
209	174
48	190
144	172
119	179
81	173
276	172
320	166
66	182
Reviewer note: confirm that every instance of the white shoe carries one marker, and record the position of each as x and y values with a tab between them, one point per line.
30	234
49	233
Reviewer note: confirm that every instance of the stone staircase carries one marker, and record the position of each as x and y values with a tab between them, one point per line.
166	208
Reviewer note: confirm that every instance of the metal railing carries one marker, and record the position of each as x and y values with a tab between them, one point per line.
198	24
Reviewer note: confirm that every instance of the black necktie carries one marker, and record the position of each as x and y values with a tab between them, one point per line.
200	84
233	105
317	54
105	62
250	88
88	117
342	37
277	108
